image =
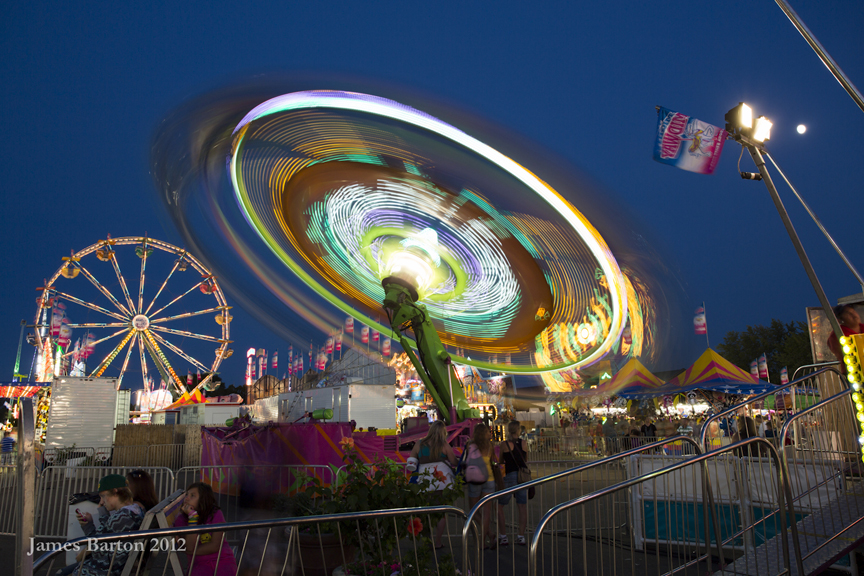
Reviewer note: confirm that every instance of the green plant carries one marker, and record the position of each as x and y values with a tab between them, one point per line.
360	487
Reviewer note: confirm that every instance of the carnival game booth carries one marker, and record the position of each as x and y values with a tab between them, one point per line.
709	373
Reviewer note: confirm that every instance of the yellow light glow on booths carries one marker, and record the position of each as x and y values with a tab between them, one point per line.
852	347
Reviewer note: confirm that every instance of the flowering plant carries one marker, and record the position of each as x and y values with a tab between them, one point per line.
361	485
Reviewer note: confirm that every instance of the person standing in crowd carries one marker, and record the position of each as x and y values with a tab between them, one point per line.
7	445
514	456
482	440
609	435
433	454
204	552
649	429
850	323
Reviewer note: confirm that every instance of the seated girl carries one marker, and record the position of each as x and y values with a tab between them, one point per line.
209	554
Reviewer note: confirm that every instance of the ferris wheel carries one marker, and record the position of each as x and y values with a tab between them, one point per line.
159	331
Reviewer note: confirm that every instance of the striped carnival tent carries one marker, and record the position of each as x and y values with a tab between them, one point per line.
710	372
194	397
632	377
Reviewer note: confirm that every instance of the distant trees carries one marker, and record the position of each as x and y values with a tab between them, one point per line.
784	344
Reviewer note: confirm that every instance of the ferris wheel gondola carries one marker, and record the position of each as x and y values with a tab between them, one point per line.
155	331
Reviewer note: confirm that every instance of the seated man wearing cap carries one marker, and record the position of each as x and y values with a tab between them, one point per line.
850	323
123	516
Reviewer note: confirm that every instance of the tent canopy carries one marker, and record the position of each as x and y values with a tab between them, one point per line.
710	372
632	377
195	397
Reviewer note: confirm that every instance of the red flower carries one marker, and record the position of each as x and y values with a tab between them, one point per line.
439	476
346	441
415	526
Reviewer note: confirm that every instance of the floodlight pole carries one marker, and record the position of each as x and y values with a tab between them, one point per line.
756	153
832	66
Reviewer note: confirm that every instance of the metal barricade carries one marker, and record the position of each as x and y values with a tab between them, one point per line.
781	401
166	455
239	488
130	455
561	448
56	484
826	478
8	500
686	505
555	486
396	540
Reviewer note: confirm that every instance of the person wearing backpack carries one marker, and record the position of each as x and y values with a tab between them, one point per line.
514	456
433	455
480	464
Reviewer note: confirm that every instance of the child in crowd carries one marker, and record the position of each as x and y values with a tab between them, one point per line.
210	548
123	516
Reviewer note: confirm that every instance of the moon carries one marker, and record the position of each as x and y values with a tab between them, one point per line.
801	128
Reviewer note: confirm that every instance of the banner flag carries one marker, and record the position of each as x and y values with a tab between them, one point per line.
349	325
754	369
700	324
275	360
385	348
687	143
338	342
375	335
784	376
763	366
364	335
329	346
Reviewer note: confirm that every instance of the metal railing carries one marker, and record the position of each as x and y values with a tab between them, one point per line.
677	509
584	479
399	540
248	487
815	367
9	500
801	393
55	485
825	475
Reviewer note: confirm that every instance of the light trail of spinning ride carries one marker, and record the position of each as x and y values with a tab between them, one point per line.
348	189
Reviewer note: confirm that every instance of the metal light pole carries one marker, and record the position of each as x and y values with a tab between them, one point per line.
756	153
740	126
823	55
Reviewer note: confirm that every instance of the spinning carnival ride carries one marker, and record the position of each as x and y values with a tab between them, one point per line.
116	320
367	201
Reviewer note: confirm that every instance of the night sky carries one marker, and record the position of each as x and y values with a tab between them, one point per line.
85	88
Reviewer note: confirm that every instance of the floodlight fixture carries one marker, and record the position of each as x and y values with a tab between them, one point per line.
741	116
763	129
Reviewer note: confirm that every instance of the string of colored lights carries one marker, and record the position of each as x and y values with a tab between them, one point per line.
113	354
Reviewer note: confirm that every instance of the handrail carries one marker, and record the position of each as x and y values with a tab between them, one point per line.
246	525
783	432
826	364
735	408
524	486
782	487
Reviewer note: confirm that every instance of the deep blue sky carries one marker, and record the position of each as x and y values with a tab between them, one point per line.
84	88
